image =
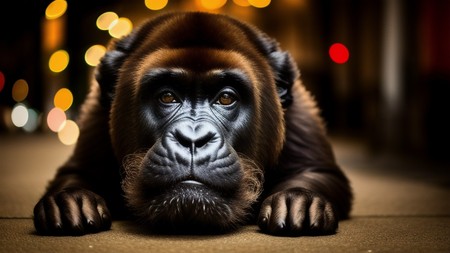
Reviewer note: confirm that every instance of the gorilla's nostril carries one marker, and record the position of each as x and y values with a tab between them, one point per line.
183	139
203	140
191	138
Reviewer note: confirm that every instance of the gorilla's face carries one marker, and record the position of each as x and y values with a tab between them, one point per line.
190	122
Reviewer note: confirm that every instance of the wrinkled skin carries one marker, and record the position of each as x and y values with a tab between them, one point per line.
189	130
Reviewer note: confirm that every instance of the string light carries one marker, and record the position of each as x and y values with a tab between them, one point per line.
339	53
213	4
33	121
104	20
243	3
259	3
69	133
94	54
19	115
55	119
155	5
58	61
20	90
63	99
120	27
2	81
56	9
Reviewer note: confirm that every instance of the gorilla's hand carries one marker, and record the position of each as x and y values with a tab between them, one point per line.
297	211
72	211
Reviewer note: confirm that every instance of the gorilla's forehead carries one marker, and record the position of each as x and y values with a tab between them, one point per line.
196	59
208	63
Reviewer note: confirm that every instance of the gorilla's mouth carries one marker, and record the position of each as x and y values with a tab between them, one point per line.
191	182
191	198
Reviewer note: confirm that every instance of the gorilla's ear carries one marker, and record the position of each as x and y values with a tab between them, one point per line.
284	68
107	71
285	72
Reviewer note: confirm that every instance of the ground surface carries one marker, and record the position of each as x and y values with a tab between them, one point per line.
401	205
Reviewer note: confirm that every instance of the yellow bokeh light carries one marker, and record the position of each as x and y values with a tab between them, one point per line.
63	99
56	9
55	119
94	54
213	4
156	4
58	61
243	3
69	132
120	27
20	90
105	20
259	3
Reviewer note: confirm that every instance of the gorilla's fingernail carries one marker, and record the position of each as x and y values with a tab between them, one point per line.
91	223
58	226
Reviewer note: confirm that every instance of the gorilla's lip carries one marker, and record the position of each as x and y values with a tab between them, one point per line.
191	182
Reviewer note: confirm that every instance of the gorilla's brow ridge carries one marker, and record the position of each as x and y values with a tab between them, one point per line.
156	74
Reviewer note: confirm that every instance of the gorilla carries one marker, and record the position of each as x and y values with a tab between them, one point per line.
199	123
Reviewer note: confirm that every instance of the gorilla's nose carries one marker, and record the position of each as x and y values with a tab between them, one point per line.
194	135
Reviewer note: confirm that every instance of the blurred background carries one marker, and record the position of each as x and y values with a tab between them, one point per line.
380	70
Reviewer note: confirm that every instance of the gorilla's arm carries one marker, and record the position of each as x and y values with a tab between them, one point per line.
72	203
309	191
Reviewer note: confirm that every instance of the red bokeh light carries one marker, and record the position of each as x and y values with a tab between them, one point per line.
2	81
339	53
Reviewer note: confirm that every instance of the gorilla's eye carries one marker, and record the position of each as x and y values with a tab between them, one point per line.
226	98
168	97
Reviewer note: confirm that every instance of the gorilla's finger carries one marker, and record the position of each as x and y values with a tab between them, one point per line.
70	213
277	221
53	216
39	219
316	214
297	212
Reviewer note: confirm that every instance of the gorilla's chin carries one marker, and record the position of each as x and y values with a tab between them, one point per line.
186	206
189	205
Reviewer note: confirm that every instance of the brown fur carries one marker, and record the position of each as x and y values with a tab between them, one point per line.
278	145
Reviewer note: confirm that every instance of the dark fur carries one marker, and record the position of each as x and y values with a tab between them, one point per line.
275	143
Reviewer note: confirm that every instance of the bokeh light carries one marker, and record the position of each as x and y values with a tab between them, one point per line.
155	4
63	99
243	3
56	9
105	20
94	54
2	81
213	4
33	121
55	119
59	61
69	132
120	27
19	115
20	90
339	53
259	3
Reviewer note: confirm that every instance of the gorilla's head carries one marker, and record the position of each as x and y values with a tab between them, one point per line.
196	115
